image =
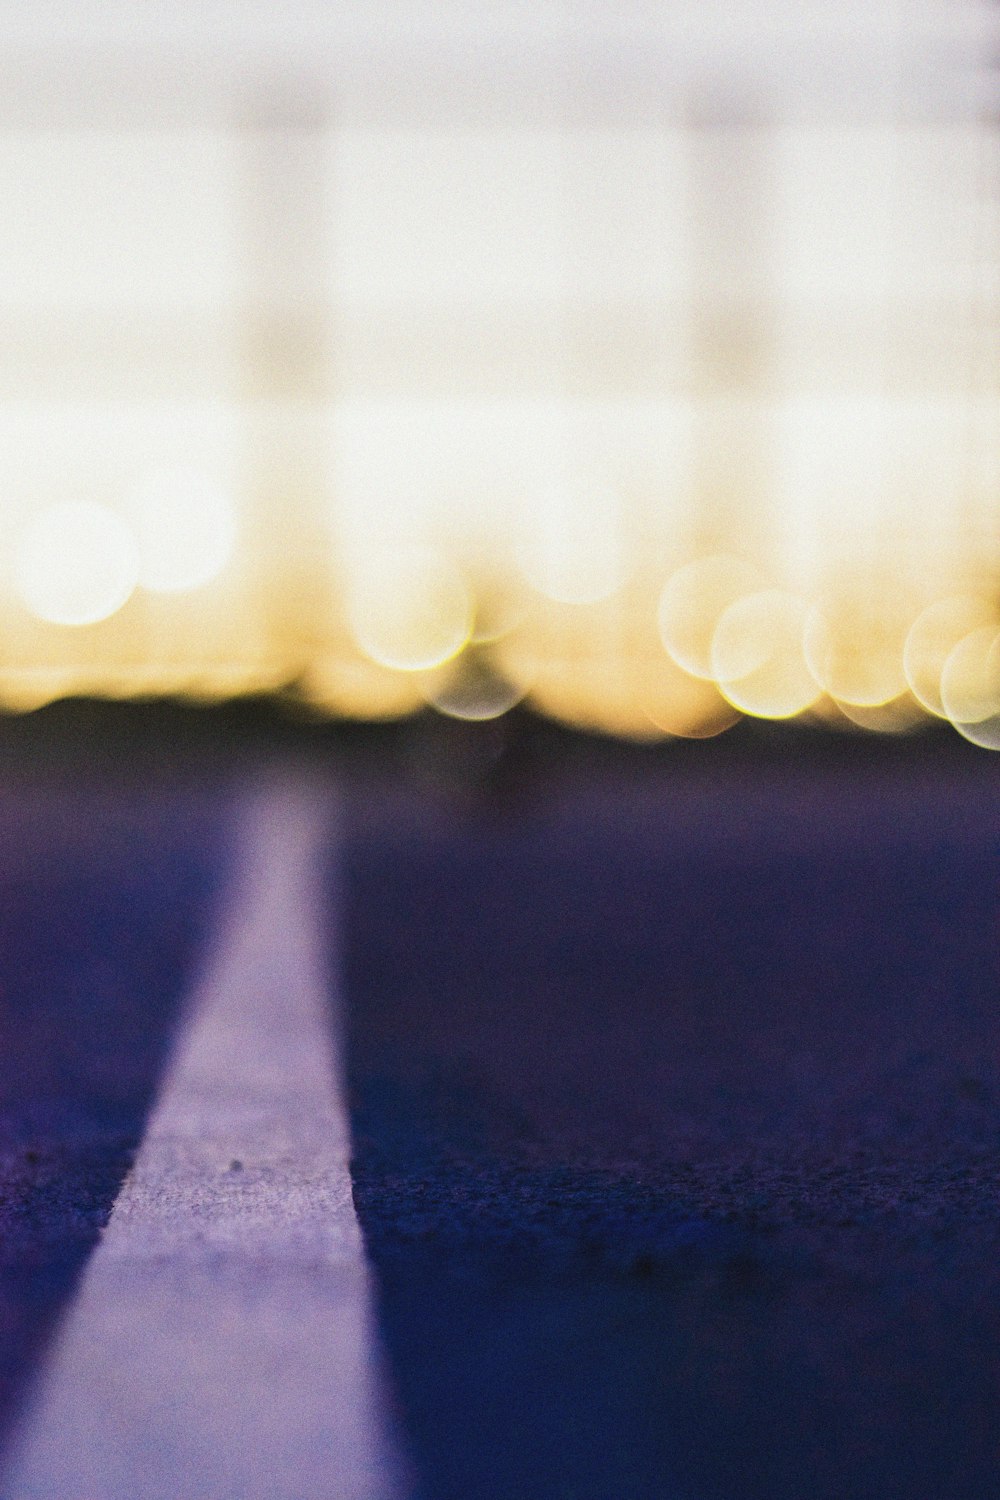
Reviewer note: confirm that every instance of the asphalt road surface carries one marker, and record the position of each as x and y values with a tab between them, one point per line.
667	1082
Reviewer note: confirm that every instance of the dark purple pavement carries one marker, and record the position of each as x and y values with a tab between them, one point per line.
677	1113
674	1076
105	892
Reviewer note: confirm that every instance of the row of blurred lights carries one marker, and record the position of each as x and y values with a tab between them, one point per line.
79	562
686	657
728	644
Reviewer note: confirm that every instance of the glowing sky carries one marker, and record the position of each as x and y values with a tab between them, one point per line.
347	343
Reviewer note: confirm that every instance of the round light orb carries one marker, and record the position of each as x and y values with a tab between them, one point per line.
900	715
933	636
604	669
683	706
75	563
856	655
185	529
692	603
970	687
757	656
408	608
472	689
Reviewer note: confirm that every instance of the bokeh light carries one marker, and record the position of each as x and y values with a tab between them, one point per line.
899	716
855	649
933	636
409	608
472	689
352	686
693	601
757	656
75	564
185	529
668	403
970	687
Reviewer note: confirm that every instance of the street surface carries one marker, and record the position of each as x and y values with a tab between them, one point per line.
669	1083
228	1300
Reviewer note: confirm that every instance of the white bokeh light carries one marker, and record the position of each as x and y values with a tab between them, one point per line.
75	563
185	529
409	608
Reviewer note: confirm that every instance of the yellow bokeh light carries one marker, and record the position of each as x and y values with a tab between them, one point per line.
603	668
757	655
353	687
692	603
76	563
970	687
899	716
471	688
855	653
185	530
935	633
595	697
682	706
408	608
510	403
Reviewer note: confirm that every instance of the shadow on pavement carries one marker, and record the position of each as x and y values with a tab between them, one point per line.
676	1102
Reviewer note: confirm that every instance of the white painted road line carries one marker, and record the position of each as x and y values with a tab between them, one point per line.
222	1344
